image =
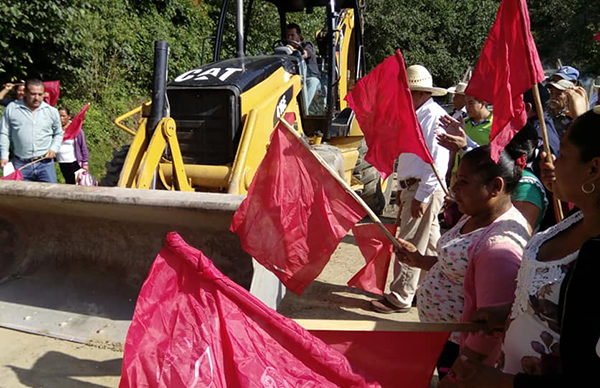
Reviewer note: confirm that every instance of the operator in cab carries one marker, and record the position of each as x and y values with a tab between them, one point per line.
307	49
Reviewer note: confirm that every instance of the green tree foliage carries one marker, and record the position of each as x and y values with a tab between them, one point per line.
101	51
565	31
444	36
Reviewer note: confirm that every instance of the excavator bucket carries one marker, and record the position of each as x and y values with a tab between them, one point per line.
74	258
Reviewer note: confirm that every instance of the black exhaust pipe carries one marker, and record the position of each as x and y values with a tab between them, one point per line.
159	86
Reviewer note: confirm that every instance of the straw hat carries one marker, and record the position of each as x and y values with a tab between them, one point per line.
419	79
458	88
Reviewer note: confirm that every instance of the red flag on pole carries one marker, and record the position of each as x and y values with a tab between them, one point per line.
194	327
73	129
295	214
404	359
377	250
597	37
508	66
383	106
14	176
53	90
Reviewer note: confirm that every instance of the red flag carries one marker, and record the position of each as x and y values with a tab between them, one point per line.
194	327
53	90
14	176
392	358
508	66
597	37
295	214
384	109
73	129
377	251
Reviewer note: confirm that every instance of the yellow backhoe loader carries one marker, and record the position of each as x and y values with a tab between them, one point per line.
73	258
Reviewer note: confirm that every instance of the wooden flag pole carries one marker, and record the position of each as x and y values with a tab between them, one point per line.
367	325
540	113
29	164
344	184
439	178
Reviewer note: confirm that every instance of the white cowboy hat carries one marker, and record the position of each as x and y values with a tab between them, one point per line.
419	79
458	88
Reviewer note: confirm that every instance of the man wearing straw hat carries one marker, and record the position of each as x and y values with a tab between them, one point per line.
420	192
32	129
458	100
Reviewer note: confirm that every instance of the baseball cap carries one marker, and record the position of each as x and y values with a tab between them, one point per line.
562	84
568	73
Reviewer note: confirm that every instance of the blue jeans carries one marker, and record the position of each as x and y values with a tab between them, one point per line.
42	171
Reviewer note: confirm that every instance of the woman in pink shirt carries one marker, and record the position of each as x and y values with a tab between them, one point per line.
495	234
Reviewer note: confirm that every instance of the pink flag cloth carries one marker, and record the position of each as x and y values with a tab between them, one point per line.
194	327
395	359
76	124
508	66
14	176
53	90
384	109
295	214
377	250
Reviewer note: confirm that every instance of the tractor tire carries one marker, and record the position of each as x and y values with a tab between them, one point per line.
114	167
372	193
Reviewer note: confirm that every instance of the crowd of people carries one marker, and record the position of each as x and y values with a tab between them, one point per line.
31	135
507	261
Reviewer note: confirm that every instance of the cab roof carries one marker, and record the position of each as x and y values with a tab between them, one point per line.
301	5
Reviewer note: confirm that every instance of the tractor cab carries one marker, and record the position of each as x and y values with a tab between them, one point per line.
338	46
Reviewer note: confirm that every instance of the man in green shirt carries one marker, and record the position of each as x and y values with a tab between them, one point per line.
478	124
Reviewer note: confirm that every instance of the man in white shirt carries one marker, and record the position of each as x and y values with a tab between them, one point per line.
421	194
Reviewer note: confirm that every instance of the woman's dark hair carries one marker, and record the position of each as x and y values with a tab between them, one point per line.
525	142
585	134
66	110
481	163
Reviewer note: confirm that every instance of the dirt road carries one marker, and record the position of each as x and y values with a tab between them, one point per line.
35	361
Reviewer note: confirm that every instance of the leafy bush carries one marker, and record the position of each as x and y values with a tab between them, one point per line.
101	51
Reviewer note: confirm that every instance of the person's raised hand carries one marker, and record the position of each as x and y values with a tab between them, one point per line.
452	125
547	171
9	85
452	142
578	102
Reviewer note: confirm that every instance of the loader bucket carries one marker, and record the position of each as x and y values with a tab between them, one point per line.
72	258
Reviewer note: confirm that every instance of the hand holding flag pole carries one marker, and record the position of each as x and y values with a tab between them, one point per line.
345	185
540	113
